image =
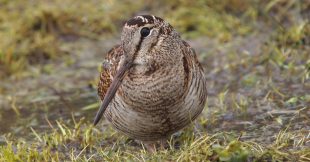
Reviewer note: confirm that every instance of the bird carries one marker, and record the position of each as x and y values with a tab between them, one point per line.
151	84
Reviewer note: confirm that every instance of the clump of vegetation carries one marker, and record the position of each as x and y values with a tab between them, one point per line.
32	32
208	18
83	142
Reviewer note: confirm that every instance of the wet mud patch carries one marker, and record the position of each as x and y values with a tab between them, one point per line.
42	116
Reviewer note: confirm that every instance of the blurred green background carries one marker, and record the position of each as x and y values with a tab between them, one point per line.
255	53
31	32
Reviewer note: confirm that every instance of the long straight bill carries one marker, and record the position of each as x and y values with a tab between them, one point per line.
112	90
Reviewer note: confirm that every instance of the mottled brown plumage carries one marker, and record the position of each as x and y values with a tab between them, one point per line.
152	84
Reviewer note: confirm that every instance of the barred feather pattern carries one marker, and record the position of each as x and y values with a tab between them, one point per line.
154	103
154	116
108	67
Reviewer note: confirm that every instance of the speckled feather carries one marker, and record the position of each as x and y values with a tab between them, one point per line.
108	70
163	92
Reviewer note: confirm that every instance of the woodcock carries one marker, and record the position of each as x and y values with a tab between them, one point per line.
152	84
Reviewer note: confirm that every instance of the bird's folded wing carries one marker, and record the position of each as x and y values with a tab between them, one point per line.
108	70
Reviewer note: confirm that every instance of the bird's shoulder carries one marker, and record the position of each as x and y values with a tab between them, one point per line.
190	60
194	72
108	69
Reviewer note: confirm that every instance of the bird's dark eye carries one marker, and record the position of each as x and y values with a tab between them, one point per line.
145	32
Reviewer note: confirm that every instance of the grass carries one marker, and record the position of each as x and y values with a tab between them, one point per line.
82	142
255	55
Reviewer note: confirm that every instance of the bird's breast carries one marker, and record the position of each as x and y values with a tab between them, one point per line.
154	89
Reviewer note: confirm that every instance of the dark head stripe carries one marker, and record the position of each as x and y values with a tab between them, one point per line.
142	20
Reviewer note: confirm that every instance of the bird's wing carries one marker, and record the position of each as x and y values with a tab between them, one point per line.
108	70
191	57
195	74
